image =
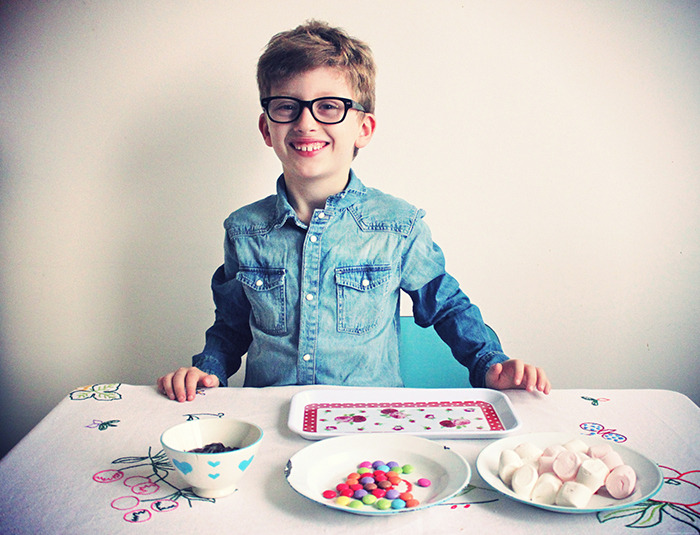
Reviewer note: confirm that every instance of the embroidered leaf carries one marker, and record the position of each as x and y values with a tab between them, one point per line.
637	509
652	516
129	460
79	395
107	396
685	515
107	387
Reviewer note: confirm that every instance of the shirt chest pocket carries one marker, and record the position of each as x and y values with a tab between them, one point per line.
266	291
362	296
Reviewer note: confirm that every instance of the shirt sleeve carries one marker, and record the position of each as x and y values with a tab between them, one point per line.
230	336
438	301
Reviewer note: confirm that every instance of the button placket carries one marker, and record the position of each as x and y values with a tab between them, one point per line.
310	287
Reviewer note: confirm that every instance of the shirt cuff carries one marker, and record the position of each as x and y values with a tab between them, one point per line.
477	377
211	365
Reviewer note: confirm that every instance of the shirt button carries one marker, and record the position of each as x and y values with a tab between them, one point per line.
307	357
309	297
365	283
313	239
258	283
321	215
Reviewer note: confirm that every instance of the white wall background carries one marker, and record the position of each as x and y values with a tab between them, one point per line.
554	144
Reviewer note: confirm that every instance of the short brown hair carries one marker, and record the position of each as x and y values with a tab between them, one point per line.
316	44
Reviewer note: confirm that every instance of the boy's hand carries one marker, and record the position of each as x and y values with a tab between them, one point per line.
182	384
515	373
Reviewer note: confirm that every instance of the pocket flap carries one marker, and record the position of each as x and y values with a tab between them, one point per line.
261	279
362	277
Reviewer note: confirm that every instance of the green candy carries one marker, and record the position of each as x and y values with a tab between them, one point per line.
383	503
369	499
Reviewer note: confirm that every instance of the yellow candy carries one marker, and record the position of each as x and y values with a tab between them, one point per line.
343	500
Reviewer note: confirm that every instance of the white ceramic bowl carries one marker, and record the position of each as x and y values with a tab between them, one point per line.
212	475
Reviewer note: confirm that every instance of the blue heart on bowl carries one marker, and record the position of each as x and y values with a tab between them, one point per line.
245	464
184	467
214	476
213	464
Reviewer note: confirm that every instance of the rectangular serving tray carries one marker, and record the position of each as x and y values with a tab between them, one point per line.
427	412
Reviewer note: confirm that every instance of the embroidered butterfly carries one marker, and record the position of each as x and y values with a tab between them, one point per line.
598	429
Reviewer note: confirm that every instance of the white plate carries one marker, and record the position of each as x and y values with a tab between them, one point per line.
323	465
649	476
426	412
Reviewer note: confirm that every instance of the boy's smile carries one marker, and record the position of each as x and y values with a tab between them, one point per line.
313	153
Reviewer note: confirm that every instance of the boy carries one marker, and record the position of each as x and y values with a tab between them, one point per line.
310	284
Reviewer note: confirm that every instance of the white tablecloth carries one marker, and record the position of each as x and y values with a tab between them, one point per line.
48	481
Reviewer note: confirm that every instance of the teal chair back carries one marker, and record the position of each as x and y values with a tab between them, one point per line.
418	346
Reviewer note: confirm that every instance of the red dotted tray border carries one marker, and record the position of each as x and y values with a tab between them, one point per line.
311	410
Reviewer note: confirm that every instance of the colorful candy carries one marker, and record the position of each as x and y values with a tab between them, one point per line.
377	484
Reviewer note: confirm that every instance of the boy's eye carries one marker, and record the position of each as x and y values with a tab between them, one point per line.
328	105
285	106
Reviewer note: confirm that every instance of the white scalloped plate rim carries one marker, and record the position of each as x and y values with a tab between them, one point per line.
649	475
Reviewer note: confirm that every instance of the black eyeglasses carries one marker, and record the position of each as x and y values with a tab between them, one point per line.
326	110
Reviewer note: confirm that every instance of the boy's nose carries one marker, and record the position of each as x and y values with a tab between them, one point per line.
306	120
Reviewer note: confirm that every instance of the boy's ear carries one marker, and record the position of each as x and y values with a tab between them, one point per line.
367	127
265	129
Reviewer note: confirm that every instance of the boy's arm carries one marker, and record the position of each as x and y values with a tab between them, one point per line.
439	301
230	336
226	341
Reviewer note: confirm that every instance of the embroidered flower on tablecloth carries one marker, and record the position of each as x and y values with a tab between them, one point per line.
100	392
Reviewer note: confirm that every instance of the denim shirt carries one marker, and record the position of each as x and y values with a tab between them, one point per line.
319	303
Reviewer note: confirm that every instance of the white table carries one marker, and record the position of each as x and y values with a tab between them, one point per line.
48	485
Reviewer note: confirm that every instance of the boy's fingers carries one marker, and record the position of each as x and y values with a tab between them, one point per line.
544	385
531	379
165	386
191	381
518	372
180	384
492	375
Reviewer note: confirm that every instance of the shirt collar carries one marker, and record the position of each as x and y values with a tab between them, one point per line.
352	193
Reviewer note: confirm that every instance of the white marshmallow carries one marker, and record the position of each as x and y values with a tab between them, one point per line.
621	481
524	479
576	445
528	452
573	494
508	463
598	451
546	489
553	450
566	465
582	456
592	473
545	464
612	460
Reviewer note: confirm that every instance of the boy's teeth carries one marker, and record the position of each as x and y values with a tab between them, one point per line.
309	147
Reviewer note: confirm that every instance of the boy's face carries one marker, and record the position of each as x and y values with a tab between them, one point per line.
313	151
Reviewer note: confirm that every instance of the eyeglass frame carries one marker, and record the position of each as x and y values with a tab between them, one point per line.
348	102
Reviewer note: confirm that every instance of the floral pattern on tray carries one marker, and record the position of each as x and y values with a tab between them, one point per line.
398	417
